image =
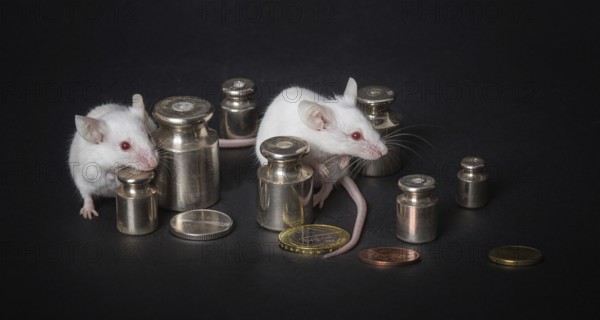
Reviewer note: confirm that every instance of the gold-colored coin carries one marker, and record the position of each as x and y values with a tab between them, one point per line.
389	257
515	255
313	239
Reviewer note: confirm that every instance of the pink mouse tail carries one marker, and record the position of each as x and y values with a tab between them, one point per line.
236	143
361	215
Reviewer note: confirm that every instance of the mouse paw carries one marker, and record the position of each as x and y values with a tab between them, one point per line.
323	170
87	212
319	197
318	201
344	161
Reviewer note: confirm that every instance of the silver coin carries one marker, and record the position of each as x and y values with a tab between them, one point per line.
202	224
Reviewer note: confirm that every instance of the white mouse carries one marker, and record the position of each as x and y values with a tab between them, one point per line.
336	130
109	137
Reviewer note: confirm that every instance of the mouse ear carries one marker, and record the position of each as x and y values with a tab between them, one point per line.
351	90
138	104
92	130
140	109
314	115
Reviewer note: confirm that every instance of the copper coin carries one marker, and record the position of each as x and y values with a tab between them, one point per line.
389	257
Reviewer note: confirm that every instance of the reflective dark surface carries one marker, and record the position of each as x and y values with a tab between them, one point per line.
514	82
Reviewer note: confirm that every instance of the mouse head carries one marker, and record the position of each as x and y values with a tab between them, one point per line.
122	136
339	127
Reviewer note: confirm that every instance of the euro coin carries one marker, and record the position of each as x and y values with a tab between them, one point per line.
313	239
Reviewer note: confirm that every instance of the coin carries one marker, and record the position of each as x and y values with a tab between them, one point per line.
515	255
201	224
313	239
389	256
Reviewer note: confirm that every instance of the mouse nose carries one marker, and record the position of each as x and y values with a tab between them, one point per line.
383	150
147	163
152	162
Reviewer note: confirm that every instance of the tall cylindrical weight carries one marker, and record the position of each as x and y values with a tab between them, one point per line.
136	202
285	184
239	118
416	216
375	102
187	175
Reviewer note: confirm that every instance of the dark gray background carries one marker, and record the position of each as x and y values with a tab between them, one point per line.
514	82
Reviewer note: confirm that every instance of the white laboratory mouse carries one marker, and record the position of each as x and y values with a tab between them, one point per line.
110	137
336	131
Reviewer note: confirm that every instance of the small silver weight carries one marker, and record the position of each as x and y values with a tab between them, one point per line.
375	102
187	176
416	216
472	190
136	202
285	184
239	118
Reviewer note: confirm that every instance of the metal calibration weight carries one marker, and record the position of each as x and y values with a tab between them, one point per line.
416	216
375	102
285	184
472	191
187	175
239	118
136	202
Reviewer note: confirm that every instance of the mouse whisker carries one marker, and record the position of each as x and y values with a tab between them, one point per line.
410	135
394	157
355	163
419	125
158	144
413	150
407	141
358	165
361	164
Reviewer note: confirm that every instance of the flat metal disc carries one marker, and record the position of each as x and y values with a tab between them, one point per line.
389	256
515	255
313	239
201	224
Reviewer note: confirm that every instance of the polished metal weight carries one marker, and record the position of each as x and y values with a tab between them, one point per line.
472	190
136	202
416	216
375	102
239	118
285	184
187	175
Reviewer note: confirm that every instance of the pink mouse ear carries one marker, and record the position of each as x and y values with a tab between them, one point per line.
90	129
140	109
138	103
314	115
351	90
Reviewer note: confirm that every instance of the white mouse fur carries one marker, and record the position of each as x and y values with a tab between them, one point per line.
327	124
109	137
335	129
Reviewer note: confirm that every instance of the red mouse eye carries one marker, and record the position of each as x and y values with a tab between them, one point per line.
125	146
356	135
